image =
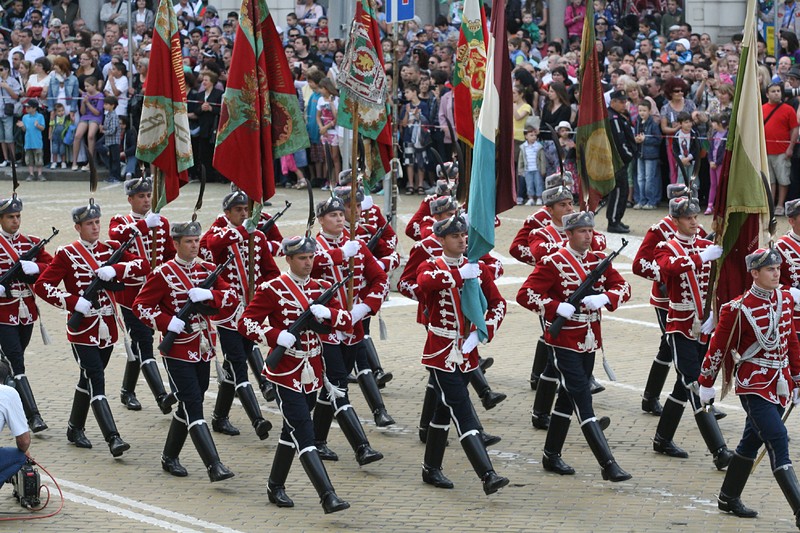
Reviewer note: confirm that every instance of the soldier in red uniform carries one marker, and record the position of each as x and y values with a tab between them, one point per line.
789	247
684	263
228	235
645	265
76	265
414	226
543	242
120	228
546	292
301	372
755	348
18	310
344	352
450	352
171	286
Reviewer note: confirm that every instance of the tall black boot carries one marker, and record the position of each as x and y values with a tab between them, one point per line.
77	420
323	417
434	455
315	470
543	402
488	438
127	394
222	408
425	416
488	397
374	362
102	412
176	437
476	453
152	376
201	437
599	445
369	387
594	386
787	480
354	433
276	486
539	362
256	362
35	421
248	398
655	383
554	443
729	499
670	418
712	435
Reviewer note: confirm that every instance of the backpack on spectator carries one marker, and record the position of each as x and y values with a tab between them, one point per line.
69	134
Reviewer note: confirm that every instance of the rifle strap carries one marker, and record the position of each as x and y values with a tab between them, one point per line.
8	248
296	291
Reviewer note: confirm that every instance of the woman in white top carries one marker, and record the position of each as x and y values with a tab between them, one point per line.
40	77
142	14
117	85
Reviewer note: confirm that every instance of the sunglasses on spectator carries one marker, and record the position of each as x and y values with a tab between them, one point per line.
769	63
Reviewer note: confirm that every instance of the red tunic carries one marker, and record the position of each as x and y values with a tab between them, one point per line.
276	305
686	277
413	228
549	239
370	282
554	280
375	218
165	293
789	248
735	333
519	248
222	239
274	236
70	265
384	252
441	285
120	229
18	307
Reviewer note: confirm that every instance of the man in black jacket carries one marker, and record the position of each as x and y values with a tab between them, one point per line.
626	146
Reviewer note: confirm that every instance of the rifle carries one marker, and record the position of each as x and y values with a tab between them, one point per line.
190	308
15	272
97	285
266	226
585	289
373	241
307	321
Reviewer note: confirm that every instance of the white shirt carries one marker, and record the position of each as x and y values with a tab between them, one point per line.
11	412
33	53
121	84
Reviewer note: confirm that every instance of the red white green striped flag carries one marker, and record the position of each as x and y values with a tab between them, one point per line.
470	72
260	118
164	139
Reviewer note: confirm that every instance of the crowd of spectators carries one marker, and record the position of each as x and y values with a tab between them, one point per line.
679	83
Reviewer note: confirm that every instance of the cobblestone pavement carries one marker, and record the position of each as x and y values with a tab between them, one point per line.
133	493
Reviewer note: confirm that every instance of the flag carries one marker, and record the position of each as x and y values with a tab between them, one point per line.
598	160
491	186
470	71
362	79
260	119
741	210
164	139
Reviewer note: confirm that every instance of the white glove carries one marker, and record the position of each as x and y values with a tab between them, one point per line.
350	248
196	294
795	295
83	306
106	273
30	268
380	264
366	203
708	326
153	220
566	310
711	253
595	302
286	339
249	226
470	343
470	271
176	325
796	395
706	394
2	292
320	311
359	312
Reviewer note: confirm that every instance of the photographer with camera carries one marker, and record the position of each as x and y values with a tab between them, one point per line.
11	413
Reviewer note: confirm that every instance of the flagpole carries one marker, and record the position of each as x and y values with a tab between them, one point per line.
154	207
353	195
251	245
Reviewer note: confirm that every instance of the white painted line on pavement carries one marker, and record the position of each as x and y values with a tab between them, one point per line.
172	515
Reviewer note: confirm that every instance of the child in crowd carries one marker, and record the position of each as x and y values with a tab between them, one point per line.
58	150
565	139
719	125
414	119
32	124
648	137
110	131
686	148
531	164
327	111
